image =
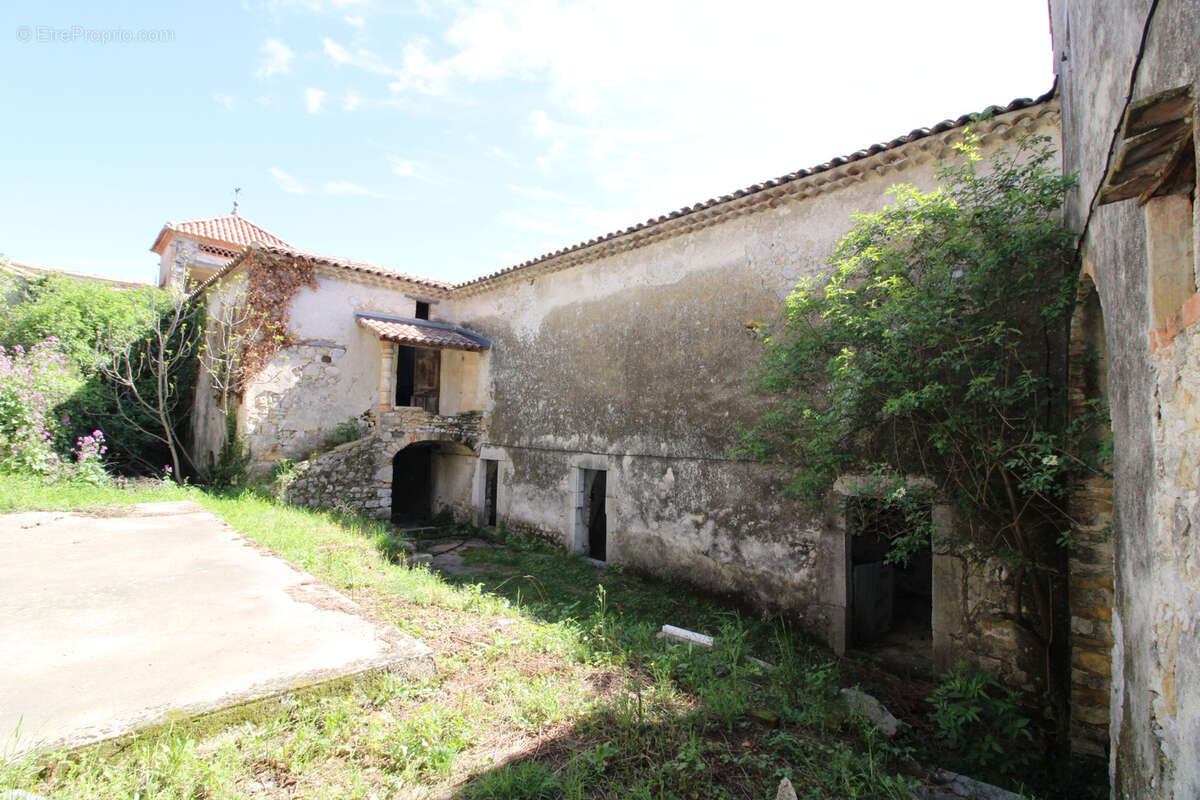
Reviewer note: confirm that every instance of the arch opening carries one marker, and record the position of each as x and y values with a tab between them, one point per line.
428	478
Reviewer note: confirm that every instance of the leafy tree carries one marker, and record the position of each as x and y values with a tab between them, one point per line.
77	312
104	332
936	348
152	378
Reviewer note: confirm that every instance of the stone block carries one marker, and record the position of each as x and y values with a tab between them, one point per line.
1104	582
1097	612
1087	696
1092	715
1091	662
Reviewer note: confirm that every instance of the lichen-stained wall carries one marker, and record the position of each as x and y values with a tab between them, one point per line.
1106	54
636	362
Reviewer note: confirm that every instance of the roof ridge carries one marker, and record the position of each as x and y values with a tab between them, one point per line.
355	263
771	183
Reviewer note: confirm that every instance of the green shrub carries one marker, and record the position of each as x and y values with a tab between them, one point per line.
349	431
981	724
90	322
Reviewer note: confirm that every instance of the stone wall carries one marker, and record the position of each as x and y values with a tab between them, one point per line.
635	360
1108	54
350	477
296	402
357	476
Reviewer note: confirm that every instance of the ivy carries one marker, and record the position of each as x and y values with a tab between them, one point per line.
272	282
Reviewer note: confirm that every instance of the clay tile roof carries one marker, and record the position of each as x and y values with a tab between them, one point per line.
419	333
349	265
363	267
230	229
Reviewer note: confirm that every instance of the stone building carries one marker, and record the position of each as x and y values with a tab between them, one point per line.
1127	77
593	396
196	248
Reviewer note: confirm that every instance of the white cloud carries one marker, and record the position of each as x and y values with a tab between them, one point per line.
264	101
346	188
359	58
353	101
287	182
224	101
277	59
314	99
705	97
410	168
355	22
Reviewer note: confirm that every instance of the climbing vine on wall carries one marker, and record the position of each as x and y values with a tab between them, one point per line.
272	282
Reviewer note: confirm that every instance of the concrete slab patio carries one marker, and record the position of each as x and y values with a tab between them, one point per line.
110	623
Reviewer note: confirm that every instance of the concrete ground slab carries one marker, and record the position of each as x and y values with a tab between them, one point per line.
112	623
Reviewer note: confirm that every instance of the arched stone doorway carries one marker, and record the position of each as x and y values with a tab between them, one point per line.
429	477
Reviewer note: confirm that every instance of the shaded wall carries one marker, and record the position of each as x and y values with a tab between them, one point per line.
636	362
1107	53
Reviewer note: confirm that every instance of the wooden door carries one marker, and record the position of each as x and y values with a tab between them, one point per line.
427	368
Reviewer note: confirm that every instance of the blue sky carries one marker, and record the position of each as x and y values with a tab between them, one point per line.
451	139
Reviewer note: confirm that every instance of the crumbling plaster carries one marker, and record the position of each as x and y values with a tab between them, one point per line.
640	359
1105	53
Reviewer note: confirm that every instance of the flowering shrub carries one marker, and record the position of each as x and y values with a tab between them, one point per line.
32	382
89	452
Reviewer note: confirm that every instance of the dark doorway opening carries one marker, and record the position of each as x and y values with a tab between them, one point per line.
418	377
422	310
891	604
412	482
404	374
595	514
490	484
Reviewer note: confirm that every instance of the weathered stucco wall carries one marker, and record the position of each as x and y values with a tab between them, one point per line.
636	363
1107	53
330	374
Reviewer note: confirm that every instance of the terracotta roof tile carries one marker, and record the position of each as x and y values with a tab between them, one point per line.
361	267
230	229
421	334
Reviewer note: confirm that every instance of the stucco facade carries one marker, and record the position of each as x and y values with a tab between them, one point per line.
608	382
601	388
1112	58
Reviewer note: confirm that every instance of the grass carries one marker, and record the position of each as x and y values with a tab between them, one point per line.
21	492
550	684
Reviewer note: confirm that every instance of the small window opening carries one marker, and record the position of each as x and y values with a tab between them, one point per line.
490	485
595	513
891	603
422	310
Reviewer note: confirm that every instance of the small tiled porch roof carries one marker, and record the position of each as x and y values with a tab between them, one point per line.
422	333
